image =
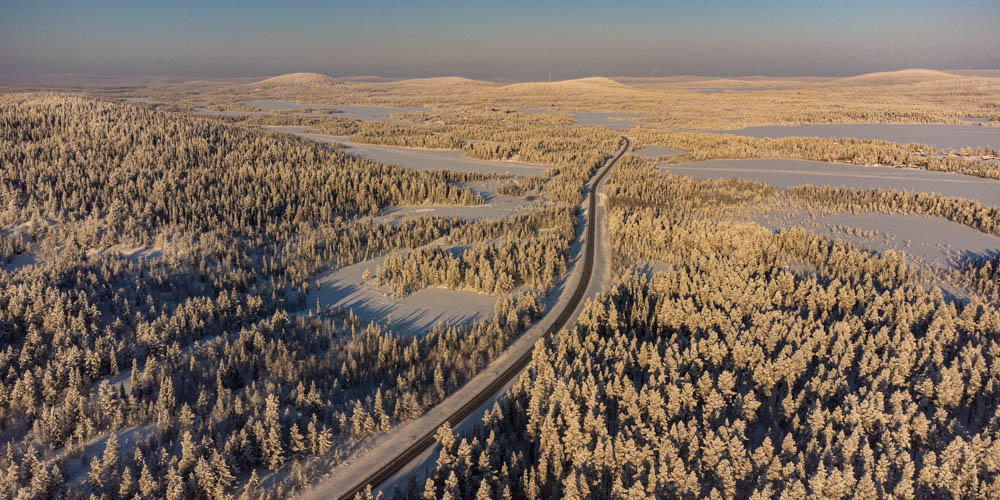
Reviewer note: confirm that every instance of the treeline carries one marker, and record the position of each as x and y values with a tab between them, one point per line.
389	133
494	267
635	183
560	220
577	151
529	250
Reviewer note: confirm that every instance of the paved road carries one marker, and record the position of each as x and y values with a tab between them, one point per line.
408	442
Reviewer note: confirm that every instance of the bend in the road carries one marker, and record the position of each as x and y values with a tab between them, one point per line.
425	441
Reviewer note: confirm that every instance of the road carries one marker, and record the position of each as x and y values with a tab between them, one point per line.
411	440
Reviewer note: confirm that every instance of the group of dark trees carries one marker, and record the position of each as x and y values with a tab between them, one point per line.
521	251
494	268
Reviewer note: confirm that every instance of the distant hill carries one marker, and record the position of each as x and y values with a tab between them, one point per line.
297	80
687	82
593	84
977	73
445	82
368	79
903	77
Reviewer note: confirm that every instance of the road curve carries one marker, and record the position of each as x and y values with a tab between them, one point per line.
421	443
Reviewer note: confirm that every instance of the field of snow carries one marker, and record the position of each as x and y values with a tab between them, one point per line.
414	314
929	240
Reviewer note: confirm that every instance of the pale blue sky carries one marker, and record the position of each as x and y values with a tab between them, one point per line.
499	39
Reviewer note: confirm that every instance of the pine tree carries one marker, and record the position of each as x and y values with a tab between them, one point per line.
484	492
186	418
165	404
189	451
298	442
126	485
175	484
96	474
272	446
324	441
381	419
251	491
147	484
312	436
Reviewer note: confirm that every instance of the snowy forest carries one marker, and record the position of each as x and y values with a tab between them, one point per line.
746	364
172	272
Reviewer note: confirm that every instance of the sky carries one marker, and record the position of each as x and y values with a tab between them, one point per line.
500	40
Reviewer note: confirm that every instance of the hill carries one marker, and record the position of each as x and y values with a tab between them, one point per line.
593	85
902	77
443	83
444	80
297	79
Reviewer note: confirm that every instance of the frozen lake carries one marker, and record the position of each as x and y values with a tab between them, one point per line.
614	121
785	173
939	136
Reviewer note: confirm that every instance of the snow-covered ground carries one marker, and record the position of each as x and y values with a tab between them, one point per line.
927	240
414	314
